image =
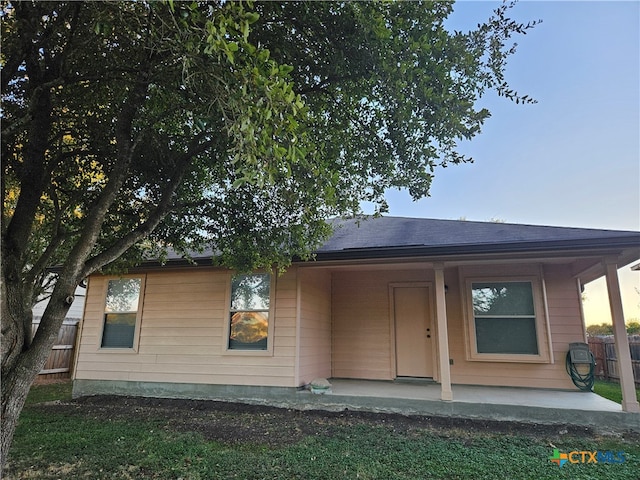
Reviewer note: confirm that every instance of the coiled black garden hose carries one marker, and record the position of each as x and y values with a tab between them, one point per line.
584	381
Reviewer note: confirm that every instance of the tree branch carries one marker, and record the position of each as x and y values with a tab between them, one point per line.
32	180
157	215
118	174
58	238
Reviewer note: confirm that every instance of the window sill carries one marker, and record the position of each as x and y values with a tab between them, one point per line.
507	358
237	352
112	350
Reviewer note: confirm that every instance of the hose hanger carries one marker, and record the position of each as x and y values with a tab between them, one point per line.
581	365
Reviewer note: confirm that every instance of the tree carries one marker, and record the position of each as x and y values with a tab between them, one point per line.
132	127
633	328
602	329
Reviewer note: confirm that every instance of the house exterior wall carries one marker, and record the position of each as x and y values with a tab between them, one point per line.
182	337
315	325
362	330
565	321
325	323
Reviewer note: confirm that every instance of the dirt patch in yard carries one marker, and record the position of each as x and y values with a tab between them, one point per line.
234	423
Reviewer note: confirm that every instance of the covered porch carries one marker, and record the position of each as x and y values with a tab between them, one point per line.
458	259
358	310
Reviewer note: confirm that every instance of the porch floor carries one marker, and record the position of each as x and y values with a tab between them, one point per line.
496	403
476	394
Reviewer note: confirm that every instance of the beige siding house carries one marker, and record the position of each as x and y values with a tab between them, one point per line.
385	299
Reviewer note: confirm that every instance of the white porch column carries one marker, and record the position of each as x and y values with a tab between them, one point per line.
443	337
629	401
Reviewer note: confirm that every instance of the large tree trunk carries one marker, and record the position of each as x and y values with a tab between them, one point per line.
21	369
15	387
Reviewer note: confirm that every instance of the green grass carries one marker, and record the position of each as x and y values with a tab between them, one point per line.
66	442
611	390
49	392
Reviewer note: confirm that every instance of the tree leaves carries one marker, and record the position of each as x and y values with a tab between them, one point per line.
344	99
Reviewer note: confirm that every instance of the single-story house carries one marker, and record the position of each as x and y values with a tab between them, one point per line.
387	298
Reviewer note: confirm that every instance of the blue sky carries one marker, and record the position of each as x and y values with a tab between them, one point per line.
573	159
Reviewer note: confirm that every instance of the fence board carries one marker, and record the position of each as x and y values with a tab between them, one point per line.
59	363
604	351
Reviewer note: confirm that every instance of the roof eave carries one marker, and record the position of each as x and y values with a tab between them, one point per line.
610	244
627	250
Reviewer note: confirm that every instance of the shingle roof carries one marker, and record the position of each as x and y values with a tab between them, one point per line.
386	235
396	237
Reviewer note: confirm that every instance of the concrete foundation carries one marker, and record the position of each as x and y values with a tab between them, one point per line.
489	403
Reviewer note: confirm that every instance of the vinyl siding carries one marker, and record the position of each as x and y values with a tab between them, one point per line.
315	325
362	346
341	327
564	319
361	332
182	334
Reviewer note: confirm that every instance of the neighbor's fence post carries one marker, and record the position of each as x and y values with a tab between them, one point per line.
596	345
609	345
634	347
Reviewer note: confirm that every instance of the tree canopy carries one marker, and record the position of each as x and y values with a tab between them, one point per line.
252	123
132	127
633	328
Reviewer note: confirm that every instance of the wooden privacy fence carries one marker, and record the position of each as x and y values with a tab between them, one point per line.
60	361
604	351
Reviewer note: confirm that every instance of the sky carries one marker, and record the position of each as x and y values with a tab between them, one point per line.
572	159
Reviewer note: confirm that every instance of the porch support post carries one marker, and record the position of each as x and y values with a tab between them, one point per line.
629	400
443	336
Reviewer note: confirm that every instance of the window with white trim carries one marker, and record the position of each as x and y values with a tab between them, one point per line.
122	304
249	312
505	320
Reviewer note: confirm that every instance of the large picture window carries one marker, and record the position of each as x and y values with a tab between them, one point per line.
249	312
504	317
505	320
121	312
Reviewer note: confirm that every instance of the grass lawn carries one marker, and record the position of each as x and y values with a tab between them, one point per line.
611	390
126	439
49	392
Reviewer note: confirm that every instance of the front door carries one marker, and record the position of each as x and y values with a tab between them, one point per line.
413	331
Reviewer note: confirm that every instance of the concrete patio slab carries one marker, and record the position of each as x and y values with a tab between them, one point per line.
493	403
477	394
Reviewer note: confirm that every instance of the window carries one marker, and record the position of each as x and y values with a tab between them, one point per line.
505	321
121	312
249	312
